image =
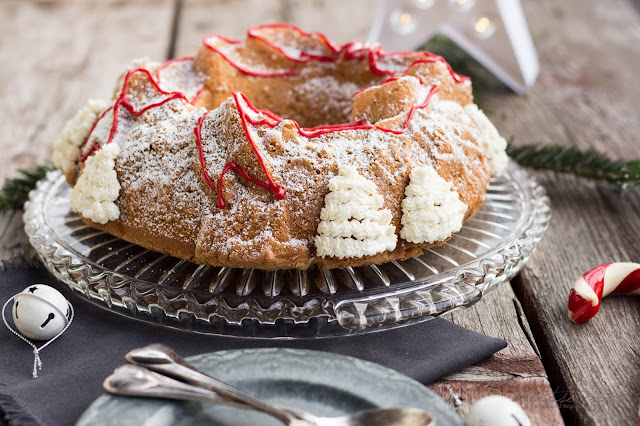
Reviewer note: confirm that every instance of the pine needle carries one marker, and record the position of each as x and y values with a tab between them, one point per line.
15	191
588	163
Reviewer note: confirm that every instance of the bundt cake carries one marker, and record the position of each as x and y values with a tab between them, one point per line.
283	151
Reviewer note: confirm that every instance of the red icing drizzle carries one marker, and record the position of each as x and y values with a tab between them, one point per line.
197	97
272	120
334	50
94	146
238	66
349	51
168	63
200	92
428	58
198	132
433	91
124	101
270	185
389	80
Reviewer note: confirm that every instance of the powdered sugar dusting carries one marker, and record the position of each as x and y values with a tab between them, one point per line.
326	94
180	76
395	64
293	42
164	193
444	126
244	60
159	173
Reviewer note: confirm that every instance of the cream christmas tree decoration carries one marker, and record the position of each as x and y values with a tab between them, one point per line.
97	188
432	210
353	223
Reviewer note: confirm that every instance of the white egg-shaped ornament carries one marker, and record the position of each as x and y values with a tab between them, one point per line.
40	312
496	410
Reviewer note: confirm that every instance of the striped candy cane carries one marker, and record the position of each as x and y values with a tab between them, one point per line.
588	290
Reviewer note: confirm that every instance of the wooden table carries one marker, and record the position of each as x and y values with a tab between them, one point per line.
56	55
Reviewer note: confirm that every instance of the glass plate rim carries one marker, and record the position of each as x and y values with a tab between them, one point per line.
523	240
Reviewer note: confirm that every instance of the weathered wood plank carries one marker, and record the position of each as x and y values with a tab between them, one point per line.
340	22
56	55
515	372
596	363
586	96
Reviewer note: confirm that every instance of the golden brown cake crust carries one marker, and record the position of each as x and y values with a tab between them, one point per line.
167	205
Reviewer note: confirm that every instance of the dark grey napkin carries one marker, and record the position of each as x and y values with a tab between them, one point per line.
75	365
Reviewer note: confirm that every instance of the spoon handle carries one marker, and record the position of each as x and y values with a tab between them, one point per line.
164	360
132	380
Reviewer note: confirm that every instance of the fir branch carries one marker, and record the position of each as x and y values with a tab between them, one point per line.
15	191
588	163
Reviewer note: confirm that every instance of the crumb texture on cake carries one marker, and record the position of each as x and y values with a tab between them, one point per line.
237	156
432	210
352	220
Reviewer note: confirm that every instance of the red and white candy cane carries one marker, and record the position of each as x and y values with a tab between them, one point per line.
589	289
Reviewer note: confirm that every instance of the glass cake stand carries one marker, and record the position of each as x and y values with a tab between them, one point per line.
490	248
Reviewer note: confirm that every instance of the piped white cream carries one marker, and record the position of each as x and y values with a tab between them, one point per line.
353	223
495	145
432	210
67	147
97	188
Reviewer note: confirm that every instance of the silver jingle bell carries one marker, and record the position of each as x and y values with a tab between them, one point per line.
40	312
496	410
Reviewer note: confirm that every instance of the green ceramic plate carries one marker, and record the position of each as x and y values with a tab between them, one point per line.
322	383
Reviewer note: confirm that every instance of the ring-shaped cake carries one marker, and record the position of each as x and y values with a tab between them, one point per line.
379	156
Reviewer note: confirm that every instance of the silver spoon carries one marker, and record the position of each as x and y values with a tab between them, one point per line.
133	380
163	360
